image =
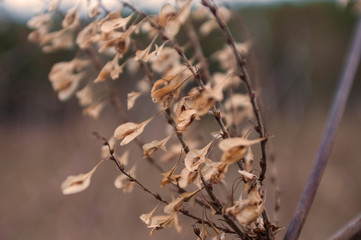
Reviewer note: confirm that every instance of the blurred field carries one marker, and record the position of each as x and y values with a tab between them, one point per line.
298	55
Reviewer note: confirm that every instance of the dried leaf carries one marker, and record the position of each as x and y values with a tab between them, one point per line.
176	204
145	55
196	157
214	171
165	90
248	158
185	119
169	177
202	103
110	69
71	19
78	183
115	23
248	210
54	41
87	35
85	95
150	148
132	97
188	177
247	175
128	131
93	8
176	224
234	149
160	221
53	5
65	77
167	59
40	21
94	109
229	143
147	217
204	233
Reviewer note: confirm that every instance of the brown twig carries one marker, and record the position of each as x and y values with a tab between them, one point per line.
218	206
247	80
114	100
334	118
216	113
349	230
215	202
157	196
167	112
241	62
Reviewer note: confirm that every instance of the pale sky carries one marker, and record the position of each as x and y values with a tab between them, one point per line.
27	8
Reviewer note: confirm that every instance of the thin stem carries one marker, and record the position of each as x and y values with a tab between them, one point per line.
114	100
349	230
334	118
216	113
216	203
157	196
241	62
218	206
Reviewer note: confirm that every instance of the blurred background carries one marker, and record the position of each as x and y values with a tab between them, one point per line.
297	55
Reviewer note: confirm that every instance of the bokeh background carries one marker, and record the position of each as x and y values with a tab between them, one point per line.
297	55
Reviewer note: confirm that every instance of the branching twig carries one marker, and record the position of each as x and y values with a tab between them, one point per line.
216	203
241	62
337	109
247	80
216	113
157	196
114	100
218	206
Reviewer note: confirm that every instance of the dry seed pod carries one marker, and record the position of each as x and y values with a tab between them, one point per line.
150	148
234	149
65	77
115	21
128	131
170	177
78	183
147	217
176	204
71	19
196	157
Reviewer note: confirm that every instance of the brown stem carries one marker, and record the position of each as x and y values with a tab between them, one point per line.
247	80
216	113
241	62
334	118
157	196
218	206
168	116
114	100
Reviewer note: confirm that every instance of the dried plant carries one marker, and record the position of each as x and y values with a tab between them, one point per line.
185	89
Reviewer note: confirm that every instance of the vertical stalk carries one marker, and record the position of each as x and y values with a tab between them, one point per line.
334	118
